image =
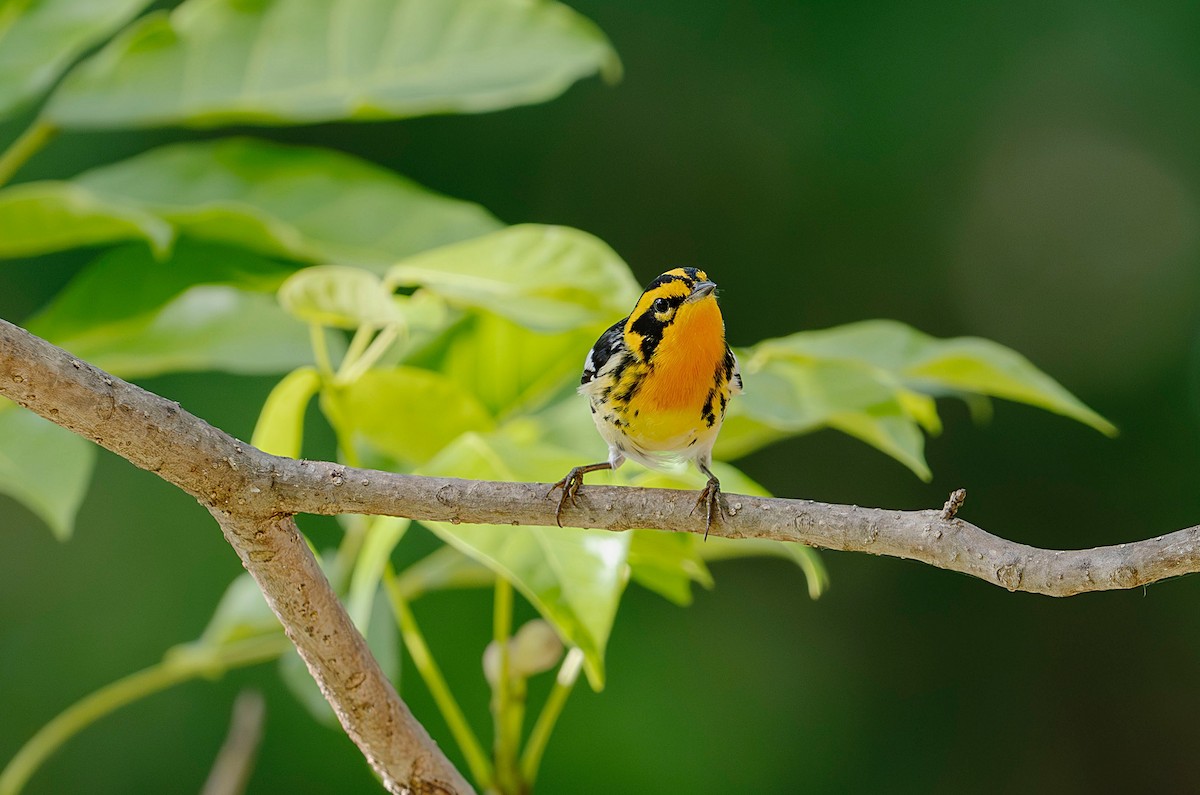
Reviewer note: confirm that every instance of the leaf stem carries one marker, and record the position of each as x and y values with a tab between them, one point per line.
354	535
174	669
28	144
352	370
535	747
382	535
320	346
358	344
506	711
477	760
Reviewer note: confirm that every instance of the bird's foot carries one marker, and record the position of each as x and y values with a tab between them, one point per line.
714	504
570	487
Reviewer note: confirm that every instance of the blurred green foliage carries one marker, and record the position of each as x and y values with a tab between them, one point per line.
219	225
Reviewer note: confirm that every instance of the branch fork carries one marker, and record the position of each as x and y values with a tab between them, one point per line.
253	496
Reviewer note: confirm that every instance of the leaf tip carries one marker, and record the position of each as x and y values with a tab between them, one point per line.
612	71
161	242
1105	427
594	670
62	530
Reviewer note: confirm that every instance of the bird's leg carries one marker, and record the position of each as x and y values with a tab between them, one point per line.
712	500
570	486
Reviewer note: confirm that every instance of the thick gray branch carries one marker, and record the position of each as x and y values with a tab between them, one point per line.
367	705
253	494
156	435
229	476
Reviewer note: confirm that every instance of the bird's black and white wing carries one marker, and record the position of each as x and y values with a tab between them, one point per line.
610	343
734	372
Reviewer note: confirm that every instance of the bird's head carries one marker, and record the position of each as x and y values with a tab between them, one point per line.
677	310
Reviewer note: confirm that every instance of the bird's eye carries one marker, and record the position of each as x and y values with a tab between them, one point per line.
661	305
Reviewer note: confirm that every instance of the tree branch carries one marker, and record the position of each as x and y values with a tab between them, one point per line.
394	742
253	496
156	435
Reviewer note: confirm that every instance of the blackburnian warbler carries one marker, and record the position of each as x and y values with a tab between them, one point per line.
659	382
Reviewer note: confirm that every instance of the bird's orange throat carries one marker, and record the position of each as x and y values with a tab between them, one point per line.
691	351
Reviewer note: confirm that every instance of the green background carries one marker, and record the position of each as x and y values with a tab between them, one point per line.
1022	172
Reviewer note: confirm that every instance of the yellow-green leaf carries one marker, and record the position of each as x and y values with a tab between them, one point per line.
573	577
962	364
509	367
340	297
204	308
547	278
297	202
733	482
877	381
44	467
405	413
280	427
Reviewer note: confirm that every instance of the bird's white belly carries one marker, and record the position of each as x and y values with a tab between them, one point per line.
657	440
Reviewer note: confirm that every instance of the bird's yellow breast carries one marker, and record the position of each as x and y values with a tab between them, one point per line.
688	361
677	398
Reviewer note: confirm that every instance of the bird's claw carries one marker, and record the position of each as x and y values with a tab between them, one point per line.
570	487
714	504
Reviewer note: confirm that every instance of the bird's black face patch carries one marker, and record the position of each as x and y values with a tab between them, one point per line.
657	307
649	325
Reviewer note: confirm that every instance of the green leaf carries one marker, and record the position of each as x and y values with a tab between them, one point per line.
440	570
937	366
304	203
692	556
733	482
876	380
40	38
39	217
406	413
214	62
668	564
305	689
209	327
887	428
983	367
547	278
339	297
280	427
206	308
510	368
806	558
788	395
573	577
44	467
566	424
128	283
242	613
801	394
383	636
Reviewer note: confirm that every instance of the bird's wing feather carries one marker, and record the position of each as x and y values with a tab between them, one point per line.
735	377
610	341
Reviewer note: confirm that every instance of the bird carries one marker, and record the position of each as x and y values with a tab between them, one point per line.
659	382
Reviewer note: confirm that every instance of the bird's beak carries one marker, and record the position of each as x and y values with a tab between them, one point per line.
701	290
